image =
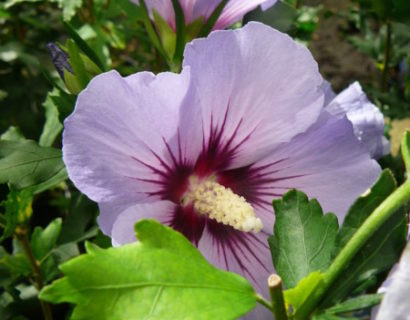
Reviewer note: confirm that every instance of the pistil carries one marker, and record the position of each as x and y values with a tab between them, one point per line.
221	204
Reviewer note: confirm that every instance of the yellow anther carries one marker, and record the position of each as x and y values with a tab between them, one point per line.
221	204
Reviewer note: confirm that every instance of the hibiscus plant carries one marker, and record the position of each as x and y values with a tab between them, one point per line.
232	182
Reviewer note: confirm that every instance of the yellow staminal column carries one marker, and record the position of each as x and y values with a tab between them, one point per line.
221	204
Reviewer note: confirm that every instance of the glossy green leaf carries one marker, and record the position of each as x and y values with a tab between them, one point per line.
379	253
26	164
161	277
303	237
297	295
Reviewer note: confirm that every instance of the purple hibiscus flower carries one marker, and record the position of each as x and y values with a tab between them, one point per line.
205	151
233	11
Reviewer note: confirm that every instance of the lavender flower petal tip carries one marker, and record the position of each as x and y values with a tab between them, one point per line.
205	151
367	120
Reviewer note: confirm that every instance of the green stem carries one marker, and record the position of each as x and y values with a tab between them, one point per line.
387	55
261	300
276	295
21	234
362	235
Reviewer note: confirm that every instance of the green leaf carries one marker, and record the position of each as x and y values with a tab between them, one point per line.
13	134
16	264
165	32
405	152
81	212
363	207
26	164
85	48
359	303
80	72
69	8
52	126
303	237
161	277
297	295
379	253
17	210
43	241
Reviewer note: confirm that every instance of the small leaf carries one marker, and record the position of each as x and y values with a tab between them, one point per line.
297	295
69	8
165	32
79	70
12	134
303	237
85	48
52	126
359	303
43	241
152	279
405	151
26	164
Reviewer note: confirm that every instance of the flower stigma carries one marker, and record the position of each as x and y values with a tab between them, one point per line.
217	202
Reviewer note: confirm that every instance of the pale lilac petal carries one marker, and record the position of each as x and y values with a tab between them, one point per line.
395	303
109	212
327	162
123	229
267	4
122	138
328	91
257	86
244	253
367	120
240	252
235	10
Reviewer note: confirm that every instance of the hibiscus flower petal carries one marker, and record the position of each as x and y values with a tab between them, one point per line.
123	229
125	135
367	119
327	162
236	9
244	253
256	86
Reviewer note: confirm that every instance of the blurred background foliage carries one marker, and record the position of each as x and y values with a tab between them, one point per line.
365	40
